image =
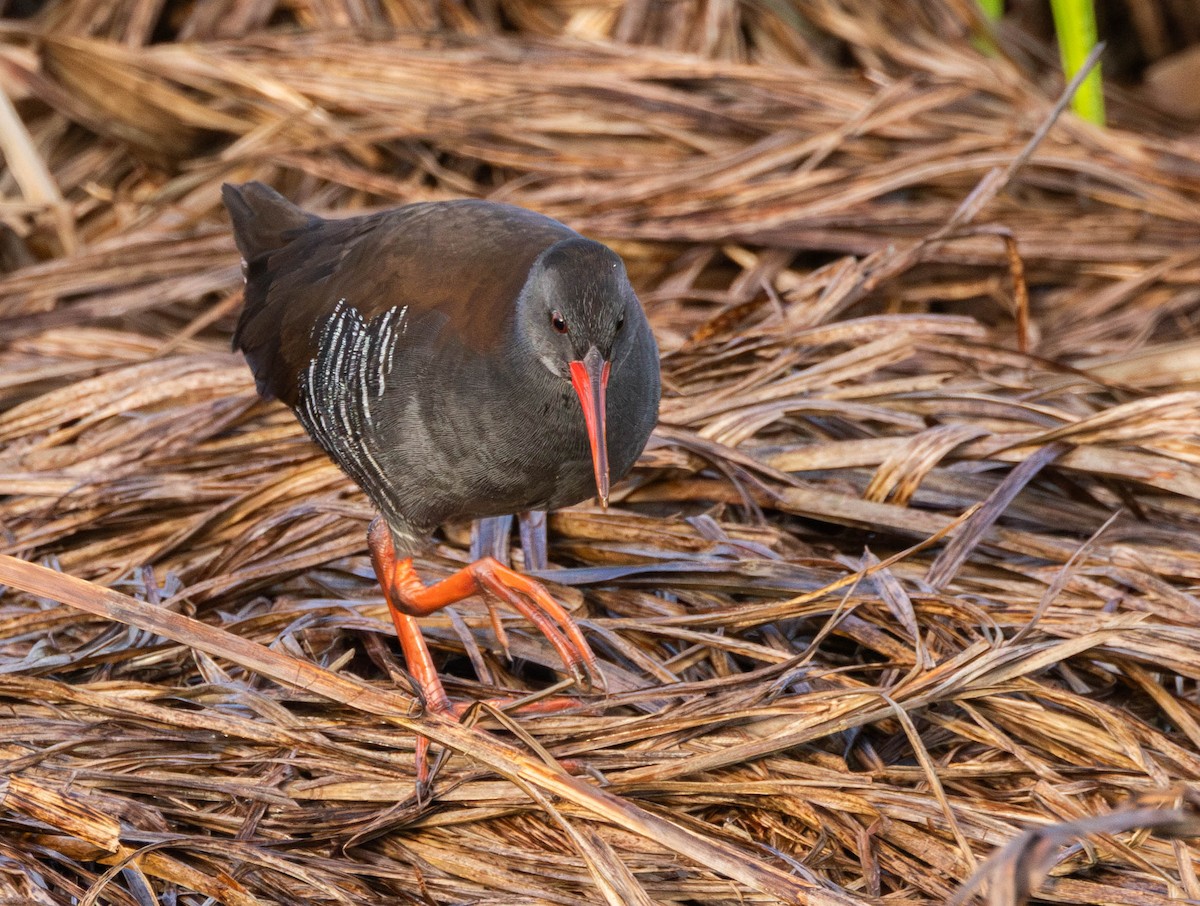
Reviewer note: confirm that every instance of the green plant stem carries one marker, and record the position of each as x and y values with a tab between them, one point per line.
1075	25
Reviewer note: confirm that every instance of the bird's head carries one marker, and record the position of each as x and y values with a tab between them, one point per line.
574	311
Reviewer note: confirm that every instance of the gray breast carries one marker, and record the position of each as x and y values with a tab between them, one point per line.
430	430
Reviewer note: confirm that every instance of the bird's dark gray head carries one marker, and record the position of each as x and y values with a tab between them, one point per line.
576	314
577	296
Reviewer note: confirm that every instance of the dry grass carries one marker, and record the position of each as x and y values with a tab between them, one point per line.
907	577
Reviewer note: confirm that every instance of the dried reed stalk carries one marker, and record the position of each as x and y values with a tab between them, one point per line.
905	579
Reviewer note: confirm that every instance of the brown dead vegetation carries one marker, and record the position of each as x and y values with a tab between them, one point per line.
905	579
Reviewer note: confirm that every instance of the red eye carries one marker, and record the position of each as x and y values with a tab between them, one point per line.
557	321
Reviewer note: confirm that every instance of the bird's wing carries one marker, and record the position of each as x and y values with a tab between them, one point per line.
458	265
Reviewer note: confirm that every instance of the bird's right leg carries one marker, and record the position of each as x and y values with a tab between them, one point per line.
416	651
408	597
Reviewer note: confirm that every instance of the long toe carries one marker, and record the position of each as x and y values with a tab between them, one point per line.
531	600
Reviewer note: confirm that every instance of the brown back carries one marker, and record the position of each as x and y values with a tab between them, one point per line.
462	262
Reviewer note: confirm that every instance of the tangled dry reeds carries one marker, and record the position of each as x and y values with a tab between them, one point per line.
905	579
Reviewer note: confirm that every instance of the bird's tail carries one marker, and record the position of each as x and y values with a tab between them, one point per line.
263	220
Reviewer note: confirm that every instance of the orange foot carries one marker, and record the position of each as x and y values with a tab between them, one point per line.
408	597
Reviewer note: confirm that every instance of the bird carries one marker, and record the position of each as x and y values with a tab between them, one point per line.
457	359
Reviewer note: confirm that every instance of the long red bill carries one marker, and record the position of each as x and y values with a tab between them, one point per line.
589	377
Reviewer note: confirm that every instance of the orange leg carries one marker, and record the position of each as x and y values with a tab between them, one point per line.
408	597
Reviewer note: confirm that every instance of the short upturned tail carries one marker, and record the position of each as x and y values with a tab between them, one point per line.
263	220
265	225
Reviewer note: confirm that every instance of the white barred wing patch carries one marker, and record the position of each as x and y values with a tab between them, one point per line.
349	373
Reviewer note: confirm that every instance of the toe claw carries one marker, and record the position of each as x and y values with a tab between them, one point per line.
582	677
